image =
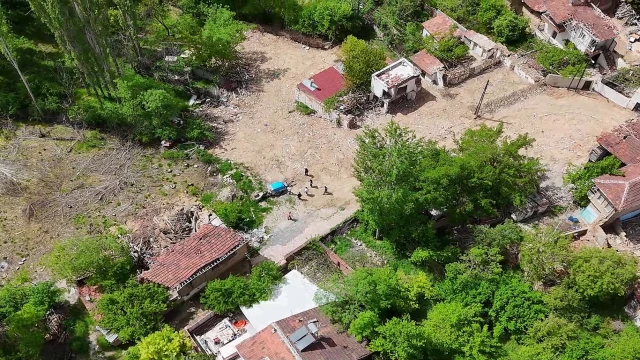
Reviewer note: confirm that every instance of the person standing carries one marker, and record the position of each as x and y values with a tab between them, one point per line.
299	196
326	190
306	172
310	183
289	216
306	191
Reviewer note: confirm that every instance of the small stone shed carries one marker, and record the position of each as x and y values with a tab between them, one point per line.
432	68
315	90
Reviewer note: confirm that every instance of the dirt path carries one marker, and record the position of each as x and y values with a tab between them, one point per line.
277	142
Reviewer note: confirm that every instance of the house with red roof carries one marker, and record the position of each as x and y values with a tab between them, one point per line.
187	266
308	335
622	142
432	69
315	90
575	21
438	26
616	196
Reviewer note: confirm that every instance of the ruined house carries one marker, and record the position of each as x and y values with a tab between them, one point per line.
623	142
615	197
187	266
400	79
432	69
315	90
438	26
575	21
480	45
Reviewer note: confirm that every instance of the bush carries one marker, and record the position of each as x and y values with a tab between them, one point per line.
225	167
581	177
145	108
206	157
303	109
511	29
243	214
330	19
223	296
449	49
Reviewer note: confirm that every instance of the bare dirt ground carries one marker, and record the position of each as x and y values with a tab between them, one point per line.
277	142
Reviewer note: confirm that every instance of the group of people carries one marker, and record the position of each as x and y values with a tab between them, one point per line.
306	191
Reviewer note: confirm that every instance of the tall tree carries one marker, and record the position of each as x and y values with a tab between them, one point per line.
82	31
361	60
5	38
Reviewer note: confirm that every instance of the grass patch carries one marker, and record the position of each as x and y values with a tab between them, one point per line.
174	155
104	345
92	140
304	109
206	157
193	190
225	167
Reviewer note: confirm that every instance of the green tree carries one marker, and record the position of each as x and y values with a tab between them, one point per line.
220	36
365	325
516	307
388	165
544	256
400	339
601	274
103	258
581	177
455	330
506	237
488	13
566	62
511	29
166	344
331	19
623	346
488	174
135	311
361	60
226	295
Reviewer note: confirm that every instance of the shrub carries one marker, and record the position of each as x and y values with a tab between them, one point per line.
449	49
330	19
361	60
207	199
225	167
511	29
303	109
582	177
243	214
206	157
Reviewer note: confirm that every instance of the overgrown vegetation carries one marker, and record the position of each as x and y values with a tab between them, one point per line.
226	295
581	177
134	311
628	78
567	62
449	49
164	344
303	109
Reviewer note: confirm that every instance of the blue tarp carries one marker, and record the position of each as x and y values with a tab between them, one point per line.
278	186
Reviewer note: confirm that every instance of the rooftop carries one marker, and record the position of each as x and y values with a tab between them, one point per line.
324	84
622	191
561	11
482	41
281	341
438	26
183	259
623	141
397	73
427	62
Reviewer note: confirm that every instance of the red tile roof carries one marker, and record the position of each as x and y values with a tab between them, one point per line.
264	343
329	82
622	191
536	5
562	10
623	141
185	258
331	344
426	62
438	26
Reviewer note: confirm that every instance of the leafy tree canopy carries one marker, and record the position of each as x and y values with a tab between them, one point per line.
600	274
134	311
361	60
166	344
581	177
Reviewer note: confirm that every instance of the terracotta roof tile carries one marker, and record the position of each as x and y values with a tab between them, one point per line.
562	10
185	258
329	81
623	141
438	26
622	191
426	62
536	5
332	344
264	343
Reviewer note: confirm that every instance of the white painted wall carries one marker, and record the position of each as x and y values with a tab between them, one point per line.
615	96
